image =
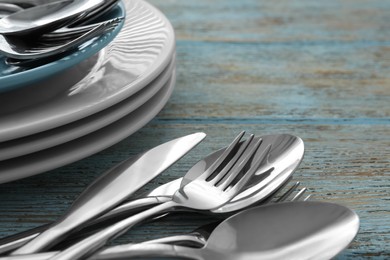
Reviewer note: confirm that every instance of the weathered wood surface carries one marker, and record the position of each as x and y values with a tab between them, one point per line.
316	69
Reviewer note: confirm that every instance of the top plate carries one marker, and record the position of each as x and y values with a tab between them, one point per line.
12	77
139	53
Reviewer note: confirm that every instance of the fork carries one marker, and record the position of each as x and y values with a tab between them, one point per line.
198	237
212	189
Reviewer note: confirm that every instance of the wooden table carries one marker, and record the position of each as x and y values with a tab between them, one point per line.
316	69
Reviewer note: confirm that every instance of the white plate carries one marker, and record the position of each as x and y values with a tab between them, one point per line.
77	149
43	140
139	53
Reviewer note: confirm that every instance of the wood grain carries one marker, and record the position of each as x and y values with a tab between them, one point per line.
316	69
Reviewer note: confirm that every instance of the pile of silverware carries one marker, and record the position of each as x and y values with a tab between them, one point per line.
49	30
241	181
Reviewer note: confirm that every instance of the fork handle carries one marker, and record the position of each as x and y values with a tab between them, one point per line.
94	242
126	251
149	250
15	241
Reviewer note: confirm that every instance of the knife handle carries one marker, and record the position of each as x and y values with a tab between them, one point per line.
126	209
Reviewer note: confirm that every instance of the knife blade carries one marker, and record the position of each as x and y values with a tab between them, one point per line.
112	187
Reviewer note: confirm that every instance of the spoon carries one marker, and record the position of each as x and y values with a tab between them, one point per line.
19	49
284	157
26	3
6	9
10	8
46	18
198	237
289	230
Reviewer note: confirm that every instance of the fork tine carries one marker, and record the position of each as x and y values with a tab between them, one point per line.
238	167
228	151
231	162
299	194
250	172
307	197
244	159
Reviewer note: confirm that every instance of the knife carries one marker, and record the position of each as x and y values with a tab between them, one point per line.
113	187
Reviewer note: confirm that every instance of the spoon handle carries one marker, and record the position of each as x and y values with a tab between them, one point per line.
94	242
148	250
125	251
13	242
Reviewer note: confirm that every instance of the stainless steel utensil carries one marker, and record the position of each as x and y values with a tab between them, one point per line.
113	187
7	9
214	188
26	3
199	237
289	230
19	49
284	157
93	14
45	18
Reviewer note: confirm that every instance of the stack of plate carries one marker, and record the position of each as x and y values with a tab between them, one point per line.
83	103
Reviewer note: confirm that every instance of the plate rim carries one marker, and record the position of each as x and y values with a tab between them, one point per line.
57	136
162	59
58	156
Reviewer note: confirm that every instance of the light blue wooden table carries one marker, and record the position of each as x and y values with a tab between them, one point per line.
316	69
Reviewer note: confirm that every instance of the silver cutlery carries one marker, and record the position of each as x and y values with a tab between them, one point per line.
45	18
93	14
113	187
68	33
19	49
284	157
61	35
199	237
26	3
6	9
289	230
214	188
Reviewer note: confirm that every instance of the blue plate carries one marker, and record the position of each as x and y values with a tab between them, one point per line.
12	77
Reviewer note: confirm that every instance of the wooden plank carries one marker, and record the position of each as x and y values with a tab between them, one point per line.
279	21
281	81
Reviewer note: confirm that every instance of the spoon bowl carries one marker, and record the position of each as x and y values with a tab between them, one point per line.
299	230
